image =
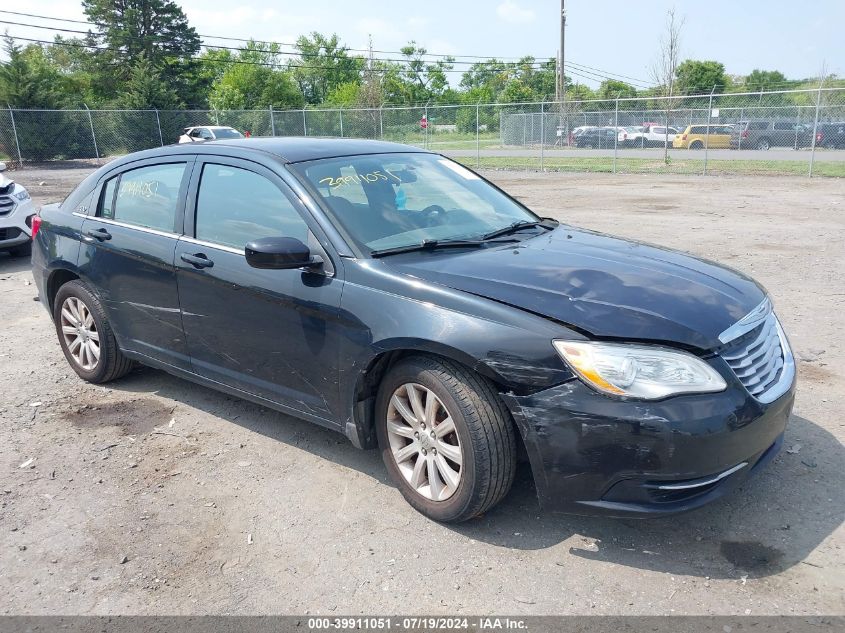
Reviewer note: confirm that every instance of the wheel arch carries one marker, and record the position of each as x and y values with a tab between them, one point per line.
360	427
57	278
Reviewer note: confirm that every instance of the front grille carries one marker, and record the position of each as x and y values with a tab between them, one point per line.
9	234
7	205
757	357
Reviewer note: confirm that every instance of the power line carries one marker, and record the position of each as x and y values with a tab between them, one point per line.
241	39
537	64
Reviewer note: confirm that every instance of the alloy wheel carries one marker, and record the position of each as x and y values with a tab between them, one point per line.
424	442
80	333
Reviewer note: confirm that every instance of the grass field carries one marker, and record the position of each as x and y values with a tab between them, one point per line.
647	165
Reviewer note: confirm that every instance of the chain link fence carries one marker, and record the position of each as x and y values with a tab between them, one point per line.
786	132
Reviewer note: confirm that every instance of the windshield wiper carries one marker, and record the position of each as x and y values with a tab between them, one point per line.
546	223
430	245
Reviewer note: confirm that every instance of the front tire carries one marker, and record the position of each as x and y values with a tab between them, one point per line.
85	335
445	437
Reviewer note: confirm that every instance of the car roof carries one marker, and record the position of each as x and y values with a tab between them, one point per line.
287	149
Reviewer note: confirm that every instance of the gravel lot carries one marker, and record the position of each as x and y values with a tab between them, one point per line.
156	496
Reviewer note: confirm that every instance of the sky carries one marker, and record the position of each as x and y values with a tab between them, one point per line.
618	38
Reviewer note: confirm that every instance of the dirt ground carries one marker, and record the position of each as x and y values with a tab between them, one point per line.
156	496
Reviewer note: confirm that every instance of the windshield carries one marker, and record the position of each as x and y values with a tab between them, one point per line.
227	133
385	201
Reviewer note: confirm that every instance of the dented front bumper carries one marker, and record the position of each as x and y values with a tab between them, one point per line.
593	454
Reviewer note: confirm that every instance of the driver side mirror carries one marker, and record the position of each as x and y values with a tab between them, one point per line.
280	253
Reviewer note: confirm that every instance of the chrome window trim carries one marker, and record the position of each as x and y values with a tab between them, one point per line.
127	225
748	322
220	247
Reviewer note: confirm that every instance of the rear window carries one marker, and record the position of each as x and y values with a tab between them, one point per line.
227	133
145	197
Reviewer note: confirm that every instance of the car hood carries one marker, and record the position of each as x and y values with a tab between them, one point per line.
604	286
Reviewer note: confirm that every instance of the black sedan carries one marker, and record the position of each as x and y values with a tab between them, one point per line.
399	298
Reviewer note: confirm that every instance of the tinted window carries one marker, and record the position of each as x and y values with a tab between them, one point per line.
780	125
758	125
147	196
236	206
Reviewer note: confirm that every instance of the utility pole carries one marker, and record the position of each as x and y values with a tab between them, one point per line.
561	78
561	87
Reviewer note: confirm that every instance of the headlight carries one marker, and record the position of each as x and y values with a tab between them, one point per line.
638	371
22	195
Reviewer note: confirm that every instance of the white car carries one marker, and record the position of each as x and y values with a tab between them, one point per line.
16	213
654	135
208	133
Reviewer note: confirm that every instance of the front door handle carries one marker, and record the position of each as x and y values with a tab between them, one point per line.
99	234
198	260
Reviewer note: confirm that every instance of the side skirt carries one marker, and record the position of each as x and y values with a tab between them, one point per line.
233	391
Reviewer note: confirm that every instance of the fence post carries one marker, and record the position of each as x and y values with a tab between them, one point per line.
427	124
477	139
304	124
158	123
340	114
707	136
542	132
93	136
616	132
815	129
272	122
381	121
15	132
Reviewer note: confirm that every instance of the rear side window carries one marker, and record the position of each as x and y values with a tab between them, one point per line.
236	206
780	125
145	197
758	125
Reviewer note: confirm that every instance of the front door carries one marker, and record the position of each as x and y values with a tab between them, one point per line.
128	254
271	333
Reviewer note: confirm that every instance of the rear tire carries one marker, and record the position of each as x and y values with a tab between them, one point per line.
24	250
477	431
764	144
696	145
81	323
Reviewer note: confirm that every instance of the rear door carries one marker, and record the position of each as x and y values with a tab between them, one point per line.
271	333
128	255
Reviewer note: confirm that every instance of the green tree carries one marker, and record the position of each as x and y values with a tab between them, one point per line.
251	80
759	80
612	89
145	89
156	29
323	64
345	95
423	80
700	77
28	79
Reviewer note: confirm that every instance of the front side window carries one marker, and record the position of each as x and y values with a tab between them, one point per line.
145	197
236	206
394	200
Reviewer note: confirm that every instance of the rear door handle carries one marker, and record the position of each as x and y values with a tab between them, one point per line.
198	260
99	234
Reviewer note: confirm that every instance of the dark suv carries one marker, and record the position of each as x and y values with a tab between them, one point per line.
764	134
